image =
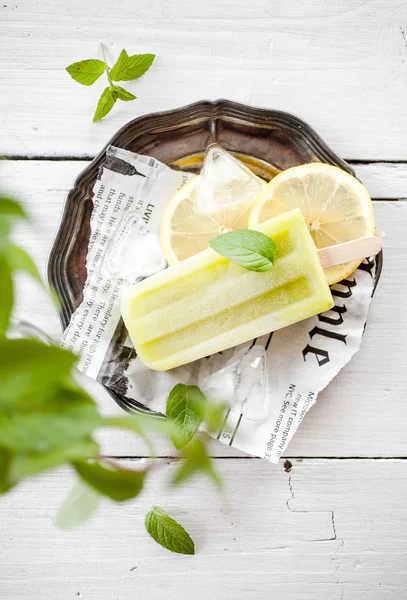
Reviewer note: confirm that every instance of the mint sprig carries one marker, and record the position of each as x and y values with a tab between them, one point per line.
126	68
252	250
168	533
47	420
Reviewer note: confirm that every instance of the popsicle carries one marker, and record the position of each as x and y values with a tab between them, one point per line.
207	303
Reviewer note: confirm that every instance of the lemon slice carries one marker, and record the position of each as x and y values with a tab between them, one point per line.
336	207
185	230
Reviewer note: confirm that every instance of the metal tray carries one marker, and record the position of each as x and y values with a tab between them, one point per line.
266	140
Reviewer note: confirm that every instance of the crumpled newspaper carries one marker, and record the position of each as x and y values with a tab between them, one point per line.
269	383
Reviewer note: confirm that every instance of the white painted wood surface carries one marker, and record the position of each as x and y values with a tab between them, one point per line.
340	64
331	529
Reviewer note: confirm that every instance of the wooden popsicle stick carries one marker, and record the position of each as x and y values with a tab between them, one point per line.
349	251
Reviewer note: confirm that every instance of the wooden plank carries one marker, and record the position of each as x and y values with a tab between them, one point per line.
328	529
383	180
338	64
367	397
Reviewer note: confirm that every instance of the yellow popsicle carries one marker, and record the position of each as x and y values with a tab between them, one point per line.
207	303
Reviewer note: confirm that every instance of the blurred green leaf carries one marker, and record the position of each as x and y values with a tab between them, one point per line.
87	71
168	533
214	415
57	424
140	424
196	460
131	424
26	465
19	260
6	458
6	300
115	482
5	228
128	422
30	371
80	504
55	298
11	207
185	408
159	424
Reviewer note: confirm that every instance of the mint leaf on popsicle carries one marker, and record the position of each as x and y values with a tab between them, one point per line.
252	250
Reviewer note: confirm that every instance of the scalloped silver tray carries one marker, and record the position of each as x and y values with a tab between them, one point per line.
266	140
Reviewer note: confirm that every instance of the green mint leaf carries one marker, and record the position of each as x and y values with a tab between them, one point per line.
250	249
106	102
80	504
30	370
57	424
7	298
88	71
119	69
168	533
6	459
123	94
136	66
11	208
185	406
19	260
196	460
28	464
115	482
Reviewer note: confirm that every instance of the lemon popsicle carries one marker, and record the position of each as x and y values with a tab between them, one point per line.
207	303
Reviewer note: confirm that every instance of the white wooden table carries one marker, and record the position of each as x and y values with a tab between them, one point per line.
335	526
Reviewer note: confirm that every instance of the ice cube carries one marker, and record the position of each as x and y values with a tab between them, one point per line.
242	383
226	183
134	253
